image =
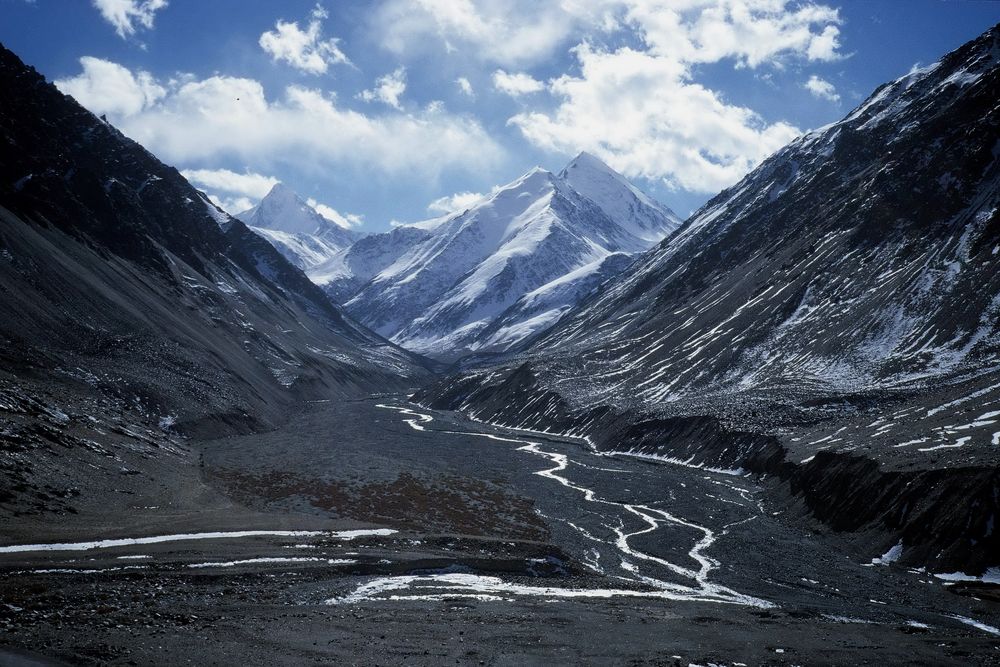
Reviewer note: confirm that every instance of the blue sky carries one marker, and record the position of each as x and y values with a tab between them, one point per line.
395	110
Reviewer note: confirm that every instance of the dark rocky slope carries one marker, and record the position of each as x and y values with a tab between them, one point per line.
133	311
831	319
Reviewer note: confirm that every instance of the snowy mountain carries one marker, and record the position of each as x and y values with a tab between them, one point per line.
488	277
832	319
296	229
346	272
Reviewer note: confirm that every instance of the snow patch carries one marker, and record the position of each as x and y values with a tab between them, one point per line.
185	537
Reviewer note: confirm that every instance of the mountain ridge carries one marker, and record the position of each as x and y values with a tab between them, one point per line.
435	286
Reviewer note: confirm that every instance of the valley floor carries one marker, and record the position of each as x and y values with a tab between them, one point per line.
382	533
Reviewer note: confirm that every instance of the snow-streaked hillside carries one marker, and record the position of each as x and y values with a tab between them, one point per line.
863	256
542	307
296	229
861	259
440	287
347	271
832	320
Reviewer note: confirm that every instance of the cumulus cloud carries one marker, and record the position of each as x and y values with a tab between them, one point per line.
456	202
465	86
750	32
304	50
510	33
194	121
640	114
634	95
641	107
822	89
105	87
126	16
231	191
516	84
388	89
231	205
345	220
523	32
248	184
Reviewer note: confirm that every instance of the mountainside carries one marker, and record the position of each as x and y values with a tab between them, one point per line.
443	287
133	311
833	318
863	255
344	274
296	229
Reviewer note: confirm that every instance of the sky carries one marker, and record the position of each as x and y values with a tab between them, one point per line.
393	111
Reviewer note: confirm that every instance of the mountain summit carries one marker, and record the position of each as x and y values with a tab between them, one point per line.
624	203
297	230
508	266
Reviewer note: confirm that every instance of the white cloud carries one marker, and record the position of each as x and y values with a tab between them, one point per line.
248	184
523	32
642	109
822	89
345	220
105	87
510	33
825	45
456	202
128	15
388	89
193	121
229	190
465	86
304	50
232	205
750	32
516	84
640	114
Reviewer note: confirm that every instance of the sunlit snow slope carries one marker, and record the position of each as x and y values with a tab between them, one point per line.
296	229
509	266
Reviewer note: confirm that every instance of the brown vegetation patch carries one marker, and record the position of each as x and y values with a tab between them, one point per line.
444	504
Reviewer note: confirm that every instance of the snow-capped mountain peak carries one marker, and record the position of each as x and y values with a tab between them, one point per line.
283	210
445	294
617	197
303	235
589	164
